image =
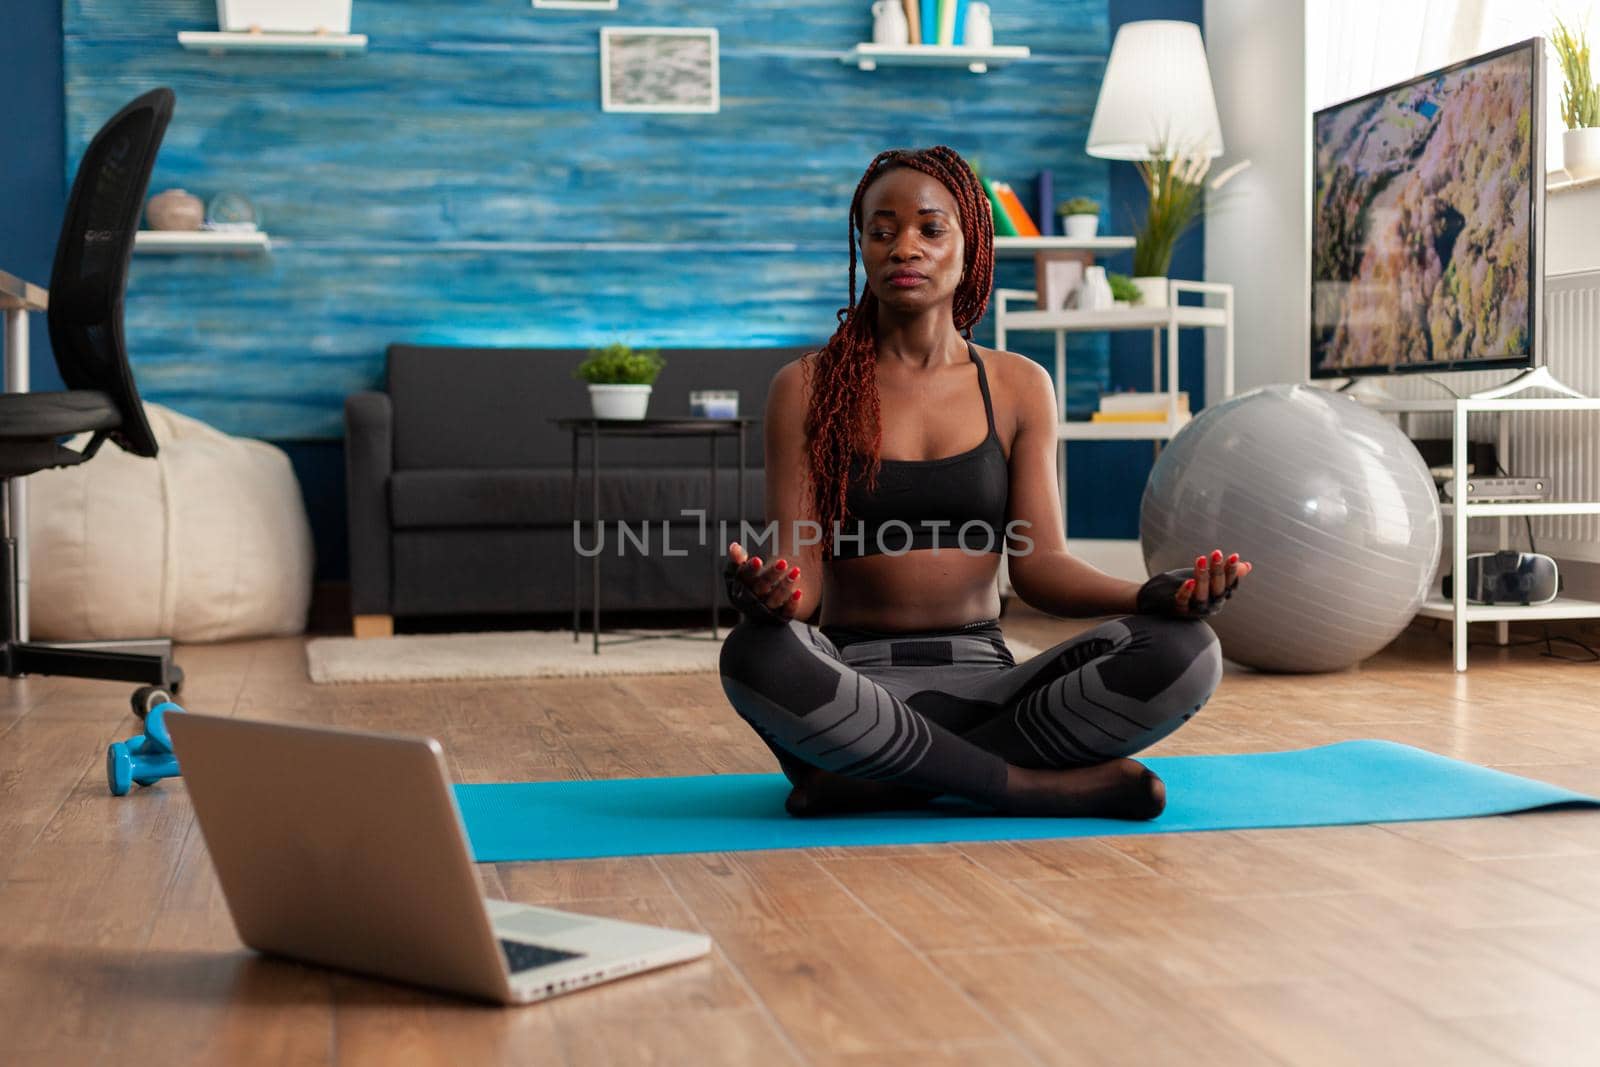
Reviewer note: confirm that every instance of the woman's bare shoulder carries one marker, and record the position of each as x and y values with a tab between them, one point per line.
1018	375
792	380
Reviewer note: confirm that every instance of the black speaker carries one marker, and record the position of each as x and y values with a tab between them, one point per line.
1509	577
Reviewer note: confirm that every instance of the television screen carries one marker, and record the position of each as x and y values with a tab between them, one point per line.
1425	210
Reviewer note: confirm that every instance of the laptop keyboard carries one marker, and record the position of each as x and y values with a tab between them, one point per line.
521	956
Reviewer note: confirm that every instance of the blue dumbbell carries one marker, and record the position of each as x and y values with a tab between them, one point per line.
143	758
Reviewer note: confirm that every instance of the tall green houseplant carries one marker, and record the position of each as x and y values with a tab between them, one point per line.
1580	102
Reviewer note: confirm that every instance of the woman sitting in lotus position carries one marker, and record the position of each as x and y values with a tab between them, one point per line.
901	461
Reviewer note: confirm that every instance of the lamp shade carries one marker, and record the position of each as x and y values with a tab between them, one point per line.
1156	95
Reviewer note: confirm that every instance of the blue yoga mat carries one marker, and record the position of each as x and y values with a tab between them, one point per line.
1350	782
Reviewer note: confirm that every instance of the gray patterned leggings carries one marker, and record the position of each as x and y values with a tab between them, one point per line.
945	712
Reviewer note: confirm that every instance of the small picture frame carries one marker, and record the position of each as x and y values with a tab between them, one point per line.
1058	278
667	70
578	5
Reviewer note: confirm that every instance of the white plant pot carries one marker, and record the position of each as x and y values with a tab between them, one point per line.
284	16
619	401
1580	153
1152	291
1080	226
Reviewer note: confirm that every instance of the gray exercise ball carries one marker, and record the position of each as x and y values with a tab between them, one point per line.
1329	501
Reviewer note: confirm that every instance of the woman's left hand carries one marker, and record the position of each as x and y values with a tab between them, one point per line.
1194	596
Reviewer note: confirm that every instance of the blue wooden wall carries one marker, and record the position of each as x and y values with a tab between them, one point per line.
458	183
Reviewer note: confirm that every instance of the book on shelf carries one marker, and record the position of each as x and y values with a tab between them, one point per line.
930	21
961	23
1002	222
1020	219
947	22
1045	200
913	20
1135	416
1154	404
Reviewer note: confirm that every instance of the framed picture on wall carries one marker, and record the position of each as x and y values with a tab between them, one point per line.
655	69
579	5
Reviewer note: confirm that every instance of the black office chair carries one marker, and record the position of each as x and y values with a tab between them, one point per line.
85	319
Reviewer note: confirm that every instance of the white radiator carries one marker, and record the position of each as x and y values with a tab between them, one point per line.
1564	446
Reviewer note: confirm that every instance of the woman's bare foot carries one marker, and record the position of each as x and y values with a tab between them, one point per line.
1118	789
818	792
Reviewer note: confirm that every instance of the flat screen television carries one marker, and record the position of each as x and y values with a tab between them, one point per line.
1427	210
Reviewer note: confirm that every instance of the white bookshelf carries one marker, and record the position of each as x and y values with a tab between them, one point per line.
976	60
177	242
1160	321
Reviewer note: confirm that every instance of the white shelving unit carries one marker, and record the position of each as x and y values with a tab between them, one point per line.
1495	401
977	60
216	42
174	242
1013	247
1157	320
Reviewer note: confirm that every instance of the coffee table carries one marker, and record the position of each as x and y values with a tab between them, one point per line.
715	431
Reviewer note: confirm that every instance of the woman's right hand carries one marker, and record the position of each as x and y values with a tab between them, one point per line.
766	592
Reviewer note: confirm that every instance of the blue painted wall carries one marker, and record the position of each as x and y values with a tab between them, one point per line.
459	183
1106	479
33	189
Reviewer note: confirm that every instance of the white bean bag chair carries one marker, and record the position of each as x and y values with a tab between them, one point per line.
206	542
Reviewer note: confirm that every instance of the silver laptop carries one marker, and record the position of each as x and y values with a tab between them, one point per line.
346	849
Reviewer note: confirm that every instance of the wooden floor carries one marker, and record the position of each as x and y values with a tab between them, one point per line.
1452	942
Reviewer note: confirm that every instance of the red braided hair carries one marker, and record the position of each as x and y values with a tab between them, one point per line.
843	419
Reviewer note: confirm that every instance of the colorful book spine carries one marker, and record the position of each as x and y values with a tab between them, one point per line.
1002	221
930	21
914	20
1045	200
961	22
947	22
1019	215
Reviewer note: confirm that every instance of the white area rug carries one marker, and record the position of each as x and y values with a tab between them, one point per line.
527	654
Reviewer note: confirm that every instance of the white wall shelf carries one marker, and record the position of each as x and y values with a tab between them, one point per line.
1026	246
977	60
1499	401
174	242
217	42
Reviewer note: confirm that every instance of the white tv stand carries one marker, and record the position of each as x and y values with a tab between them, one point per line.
1497	401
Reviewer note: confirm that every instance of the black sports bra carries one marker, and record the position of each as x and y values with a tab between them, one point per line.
955	502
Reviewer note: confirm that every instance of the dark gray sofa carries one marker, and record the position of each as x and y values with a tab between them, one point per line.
459	486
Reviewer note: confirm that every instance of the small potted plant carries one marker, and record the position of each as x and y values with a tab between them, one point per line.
1123	292
1080	217
620	379
1580	103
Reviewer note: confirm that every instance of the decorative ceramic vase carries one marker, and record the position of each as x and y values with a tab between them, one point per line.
1580	152
1152	291
1080	226
1095	292
619	401
978	30
174	209
889	23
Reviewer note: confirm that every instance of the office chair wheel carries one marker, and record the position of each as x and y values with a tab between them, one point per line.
148	696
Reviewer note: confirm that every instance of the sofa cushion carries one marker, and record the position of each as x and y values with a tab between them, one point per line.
483	408
442	499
